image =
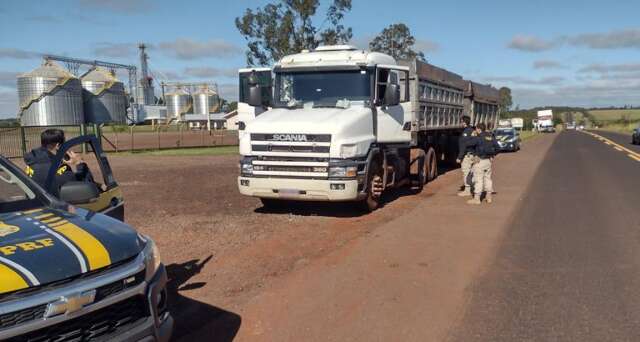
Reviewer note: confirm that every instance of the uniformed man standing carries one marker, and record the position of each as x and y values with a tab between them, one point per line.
465	155
486	148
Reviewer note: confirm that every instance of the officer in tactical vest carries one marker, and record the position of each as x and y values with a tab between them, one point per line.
465	155
486	147
39	162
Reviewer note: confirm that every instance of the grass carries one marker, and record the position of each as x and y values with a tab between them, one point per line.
616	114
197	151
620	128
526	135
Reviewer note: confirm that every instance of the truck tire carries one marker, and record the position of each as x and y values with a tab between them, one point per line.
431	164
374	188
418	170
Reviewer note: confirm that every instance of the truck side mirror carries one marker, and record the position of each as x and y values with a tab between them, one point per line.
255	96
392	95
79	192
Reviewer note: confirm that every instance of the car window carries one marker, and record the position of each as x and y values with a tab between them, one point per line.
15	195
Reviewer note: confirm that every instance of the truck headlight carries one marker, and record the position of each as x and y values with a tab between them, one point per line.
343	171
246	168
348	151
151	258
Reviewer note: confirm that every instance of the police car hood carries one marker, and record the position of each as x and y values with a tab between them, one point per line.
48	245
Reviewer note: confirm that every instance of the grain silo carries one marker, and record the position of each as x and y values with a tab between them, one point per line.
50	96
104	97
205	101
178	103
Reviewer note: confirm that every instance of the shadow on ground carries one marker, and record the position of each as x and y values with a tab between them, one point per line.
341	209
194	320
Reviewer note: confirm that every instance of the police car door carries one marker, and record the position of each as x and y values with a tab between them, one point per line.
393	123
109	200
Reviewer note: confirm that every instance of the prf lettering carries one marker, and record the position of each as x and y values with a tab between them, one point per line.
25	246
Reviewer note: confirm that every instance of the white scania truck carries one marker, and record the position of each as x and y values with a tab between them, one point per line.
342	124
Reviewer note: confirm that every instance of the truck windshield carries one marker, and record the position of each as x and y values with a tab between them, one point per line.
322	88
15	195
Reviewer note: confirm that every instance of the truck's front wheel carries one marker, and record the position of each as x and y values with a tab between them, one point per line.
374	188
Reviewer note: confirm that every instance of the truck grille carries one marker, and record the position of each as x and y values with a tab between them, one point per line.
291	155
98	325
27	315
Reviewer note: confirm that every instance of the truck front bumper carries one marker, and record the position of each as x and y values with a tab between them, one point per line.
300	189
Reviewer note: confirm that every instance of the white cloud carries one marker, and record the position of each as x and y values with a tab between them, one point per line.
530	44
611	68
228	91
208	72
18	54
547	64
188	49
119	6
114	50
519	80
621	39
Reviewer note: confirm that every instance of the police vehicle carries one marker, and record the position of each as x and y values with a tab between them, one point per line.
508	139
635	136
72	273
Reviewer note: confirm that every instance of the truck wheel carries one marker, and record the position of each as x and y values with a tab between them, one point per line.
374	188
418	170
431	164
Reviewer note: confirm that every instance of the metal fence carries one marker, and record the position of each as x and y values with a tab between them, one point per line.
16	141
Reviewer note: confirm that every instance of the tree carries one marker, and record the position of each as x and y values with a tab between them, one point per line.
286	26
396	40
505	99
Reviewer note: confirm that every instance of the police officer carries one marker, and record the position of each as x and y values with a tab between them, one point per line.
465	155
39	162
486	148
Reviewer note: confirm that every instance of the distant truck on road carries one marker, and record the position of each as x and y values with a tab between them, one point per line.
342	124
517	123
545	121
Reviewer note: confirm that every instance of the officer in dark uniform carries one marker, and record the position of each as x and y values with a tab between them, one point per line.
39	162
465	155
486	147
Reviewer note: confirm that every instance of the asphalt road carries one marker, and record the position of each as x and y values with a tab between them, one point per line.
568	268
620	138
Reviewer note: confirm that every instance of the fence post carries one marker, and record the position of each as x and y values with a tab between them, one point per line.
158	130
131	128
201	137
180	143
116	132
83	131
23	140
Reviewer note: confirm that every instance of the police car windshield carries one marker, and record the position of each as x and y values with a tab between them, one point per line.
505	132
322	88
15	195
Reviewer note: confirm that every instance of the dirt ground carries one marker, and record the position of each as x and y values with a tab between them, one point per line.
238	271
221	248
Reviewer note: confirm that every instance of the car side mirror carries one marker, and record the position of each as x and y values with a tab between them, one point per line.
255	96
79	192
392	95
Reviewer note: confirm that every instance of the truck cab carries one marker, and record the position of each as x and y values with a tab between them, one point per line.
331	112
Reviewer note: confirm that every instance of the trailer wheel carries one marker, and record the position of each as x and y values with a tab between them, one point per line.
374	188
418	169
431	164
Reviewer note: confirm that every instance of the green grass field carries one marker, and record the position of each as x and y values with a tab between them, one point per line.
199	151
616	114
526	135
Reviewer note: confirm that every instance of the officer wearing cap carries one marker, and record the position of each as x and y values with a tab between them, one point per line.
486	148
465	155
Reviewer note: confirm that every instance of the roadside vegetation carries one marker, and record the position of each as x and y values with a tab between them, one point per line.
197	151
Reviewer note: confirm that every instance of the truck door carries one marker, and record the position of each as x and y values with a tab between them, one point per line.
393	123
110	200
246	113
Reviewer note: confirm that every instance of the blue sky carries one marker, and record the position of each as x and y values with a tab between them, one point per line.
570	52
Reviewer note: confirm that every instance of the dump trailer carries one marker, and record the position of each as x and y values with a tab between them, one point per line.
342	124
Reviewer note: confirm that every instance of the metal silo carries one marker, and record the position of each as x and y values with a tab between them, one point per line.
50	96
104	97
205	101
178	103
